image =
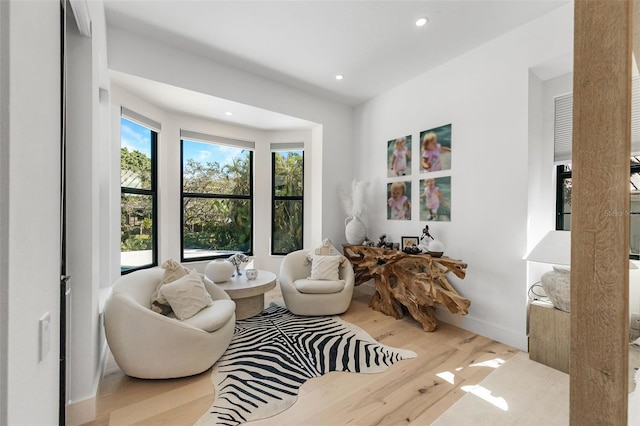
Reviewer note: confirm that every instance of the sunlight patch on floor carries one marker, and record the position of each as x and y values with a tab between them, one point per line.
485	394
493	363
447	376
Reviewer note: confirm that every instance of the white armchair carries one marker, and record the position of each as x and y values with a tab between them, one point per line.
149	345
308	297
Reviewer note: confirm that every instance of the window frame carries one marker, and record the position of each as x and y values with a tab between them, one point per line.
152	192
561	176
222	254
275	198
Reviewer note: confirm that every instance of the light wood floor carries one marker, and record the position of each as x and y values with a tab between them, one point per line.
414	391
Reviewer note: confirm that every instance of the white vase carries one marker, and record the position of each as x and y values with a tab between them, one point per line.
219	270
436	248
355	230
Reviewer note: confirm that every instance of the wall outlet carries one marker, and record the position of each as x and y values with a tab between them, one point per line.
634	323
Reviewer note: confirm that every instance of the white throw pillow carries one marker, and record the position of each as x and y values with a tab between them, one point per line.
325	249
187	295
172	271
325	267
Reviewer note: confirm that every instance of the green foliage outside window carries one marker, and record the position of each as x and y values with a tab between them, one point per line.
136	210
138	204
288	189
217	208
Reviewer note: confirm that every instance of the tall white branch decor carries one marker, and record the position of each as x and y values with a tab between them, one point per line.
355	206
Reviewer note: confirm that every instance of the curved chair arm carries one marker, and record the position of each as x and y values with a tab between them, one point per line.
294	266
216	292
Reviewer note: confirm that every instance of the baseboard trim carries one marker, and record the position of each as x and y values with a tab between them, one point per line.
491	330
83	411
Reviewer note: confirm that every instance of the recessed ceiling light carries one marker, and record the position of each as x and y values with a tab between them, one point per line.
228	113
339	77
421	22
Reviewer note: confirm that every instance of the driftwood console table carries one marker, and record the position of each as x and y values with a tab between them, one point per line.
415	283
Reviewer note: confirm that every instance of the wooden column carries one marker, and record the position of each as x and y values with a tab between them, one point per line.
600	212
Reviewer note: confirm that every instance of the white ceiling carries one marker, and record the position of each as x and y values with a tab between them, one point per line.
172	98
374	44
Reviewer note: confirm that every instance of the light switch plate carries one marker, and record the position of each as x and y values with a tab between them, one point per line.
45	336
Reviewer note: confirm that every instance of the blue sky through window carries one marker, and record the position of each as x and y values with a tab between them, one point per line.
203	152
135	137
286	154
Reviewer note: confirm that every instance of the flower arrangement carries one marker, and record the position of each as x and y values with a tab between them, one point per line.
354	204
237	260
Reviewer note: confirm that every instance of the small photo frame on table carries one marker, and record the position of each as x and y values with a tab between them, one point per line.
409	242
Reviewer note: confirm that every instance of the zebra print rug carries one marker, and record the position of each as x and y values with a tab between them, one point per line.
271	355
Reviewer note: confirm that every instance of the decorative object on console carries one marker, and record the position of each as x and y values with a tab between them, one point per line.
355	206
219	270
355	230
555	248
237	260
382	242
410	245
425	239
436	248
411	250
430	245
367	242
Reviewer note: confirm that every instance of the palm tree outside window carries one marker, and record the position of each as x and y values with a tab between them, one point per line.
287	177
217	199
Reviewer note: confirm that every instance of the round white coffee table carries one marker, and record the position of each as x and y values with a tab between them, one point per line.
248	294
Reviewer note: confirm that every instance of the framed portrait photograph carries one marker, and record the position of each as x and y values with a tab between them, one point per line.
399	156
435	149
409	242
399	200
435	199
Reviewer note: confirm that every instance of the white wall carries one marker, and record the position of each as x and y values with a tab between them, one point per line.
29	216
4	207
169	173
88	224
484	95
